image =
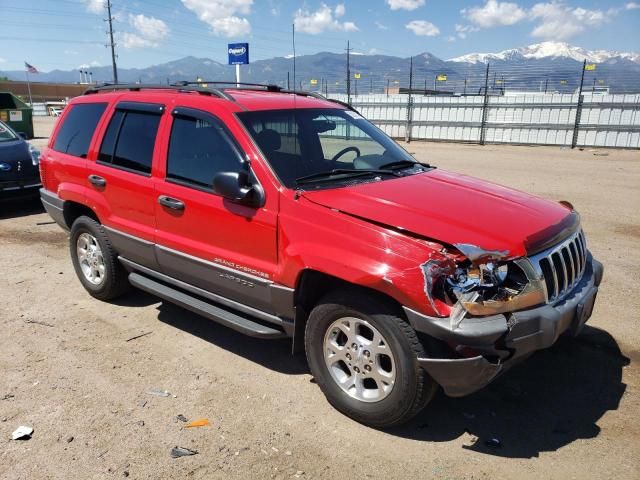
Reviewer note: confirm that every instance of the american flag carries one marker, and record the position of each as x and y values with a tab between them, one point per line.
30	68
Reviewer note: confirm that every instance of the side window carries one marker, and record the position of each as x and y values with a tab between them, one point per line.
130	140
77	129
198	150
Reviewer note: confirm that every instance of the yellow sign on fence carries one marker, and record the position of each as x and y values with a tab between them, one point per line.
356	76
590	67
314	81
442	78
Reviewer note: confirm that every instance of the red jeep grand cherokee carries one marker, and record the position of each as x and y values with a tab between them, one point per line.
284	214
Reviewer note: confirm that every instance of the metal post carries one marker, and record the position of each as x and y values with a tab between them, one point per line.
111	43
29	88
387	88
348	74
293	41
576	126
288	82
465	86
238	76
407	129
371	85
485	105
546	85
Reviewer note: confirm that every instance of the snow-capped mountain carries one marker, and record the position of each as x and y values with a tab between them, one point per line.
549	50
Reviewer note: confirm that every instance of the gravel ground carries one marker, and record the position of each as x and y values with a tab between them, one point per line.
68	370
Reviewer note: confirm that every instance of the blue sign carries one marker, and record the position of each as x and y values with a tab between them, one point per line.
238	54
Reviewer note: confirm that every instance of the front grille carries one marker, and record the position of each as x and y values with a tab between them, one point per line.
563	266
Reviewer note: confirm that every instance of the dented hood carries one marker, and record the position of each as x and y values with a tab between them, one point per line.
454	209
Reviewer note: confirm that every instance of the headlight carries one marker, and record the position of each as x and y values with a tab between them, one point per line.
35	155
482	289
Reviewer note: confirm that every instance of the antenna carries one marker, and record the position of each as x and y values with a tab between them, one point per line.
112	43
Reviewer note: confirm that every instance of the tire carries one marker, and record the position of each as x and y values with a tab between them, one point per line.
412	388
108	279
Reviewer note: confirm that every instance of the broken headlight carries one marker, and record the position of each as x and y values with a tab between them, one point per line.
482	289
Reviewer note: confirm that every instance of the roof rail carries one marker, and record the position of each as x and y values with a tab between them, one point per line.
135	87
232	84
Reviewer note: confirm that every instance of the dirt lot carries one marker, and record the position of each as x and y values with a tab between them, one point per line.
569	412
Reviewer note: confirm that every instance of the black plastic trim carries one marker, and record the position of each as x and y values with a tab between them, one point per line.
152	108
54	206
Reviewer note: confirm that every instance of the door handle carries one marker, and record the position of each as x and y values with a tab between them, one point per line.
172	203
97	181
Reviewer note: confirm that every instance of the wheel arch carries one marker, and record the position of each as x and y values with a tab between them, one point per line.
72	210
312	285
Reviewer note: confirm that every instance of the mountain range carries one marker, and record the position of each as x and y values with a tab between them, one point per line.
556	65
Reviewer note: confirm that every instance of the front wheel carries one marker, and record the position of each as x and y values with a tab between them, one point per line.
364	358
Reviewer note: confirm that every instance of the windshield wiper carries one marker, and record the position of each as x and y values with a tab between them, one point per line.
349	173
398	164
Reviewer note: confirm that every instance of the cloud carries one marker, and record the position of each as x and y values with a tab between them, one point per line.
3	60
632	6
149	27
381	26
463	30
149	32
405	4
223	15
494	13
557	21
95	6
92	63
422	28
322	19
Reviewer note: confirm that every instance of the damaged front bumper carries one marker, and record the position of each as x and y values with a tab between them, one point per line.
500	340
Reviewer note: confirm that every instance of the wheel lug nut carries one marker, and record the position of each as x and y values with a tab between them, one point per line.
348	356
356	369
367	353
367	368
354	346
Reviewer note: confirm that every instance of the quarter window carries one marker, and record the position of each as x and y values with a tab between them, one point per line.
129	140
77	129
199	149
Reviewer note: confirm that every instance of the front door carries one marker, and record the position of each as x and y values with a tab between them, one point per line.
202	238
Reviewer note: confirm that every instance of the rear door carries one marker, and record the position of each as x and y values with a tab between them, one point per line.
202	238
119	180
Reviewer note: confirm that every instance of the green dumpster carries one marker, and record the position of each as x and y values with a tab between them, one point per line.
17	114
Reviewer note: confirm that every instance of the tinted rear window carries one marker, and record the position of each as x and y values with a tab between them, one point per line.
129	141
77	129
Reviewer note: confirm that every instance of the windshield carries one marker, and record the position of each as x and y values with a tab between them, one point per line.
6	133
309	146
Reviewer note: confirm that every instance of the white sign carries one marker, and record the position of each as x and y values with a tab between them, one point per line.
15	116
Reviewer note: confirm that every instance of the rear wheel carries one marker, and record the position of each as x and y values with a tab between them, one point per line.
95	261
363	356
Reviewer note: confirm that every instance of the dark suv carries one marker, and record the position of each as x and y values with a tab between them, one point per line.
284	214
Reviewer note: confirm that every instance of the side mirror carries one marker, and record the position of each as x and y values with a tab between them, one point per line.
23	135
235	186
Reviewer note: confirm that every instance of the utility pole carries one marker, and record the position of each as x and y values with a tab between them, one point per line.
546	85
465	86
348	74
293	41
288	82
485	107
574	141
371	85
112	43
387	88
407	128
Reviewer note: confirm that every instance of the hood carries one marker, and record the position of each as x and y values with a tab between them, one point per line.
454	209
15	153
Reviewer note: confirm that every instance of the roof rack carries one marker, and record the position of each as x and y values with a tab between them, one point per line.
135	87
186	86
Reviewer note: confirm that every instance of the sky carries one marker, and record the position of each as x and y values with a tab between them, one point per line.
70	34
